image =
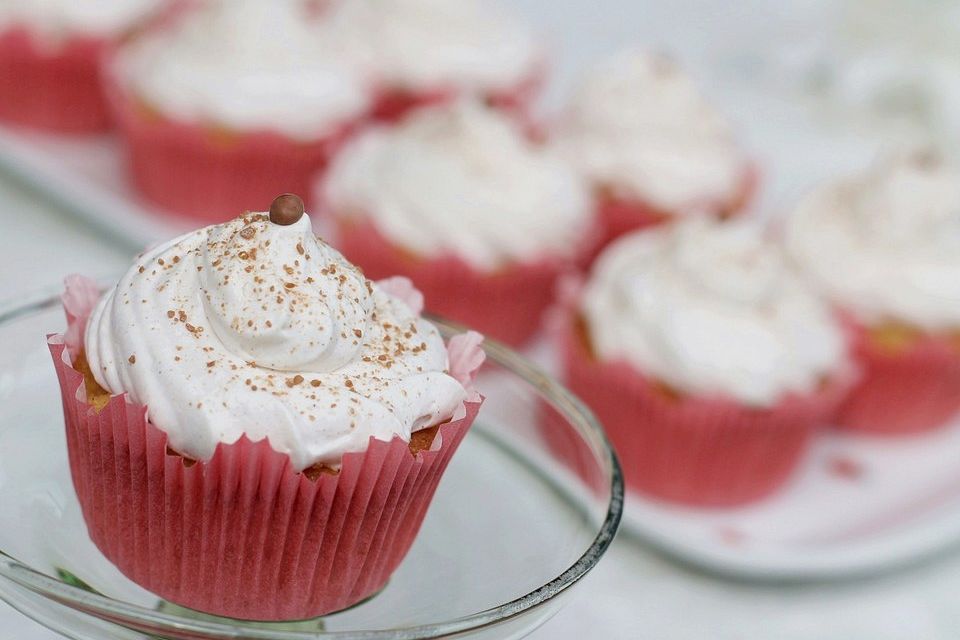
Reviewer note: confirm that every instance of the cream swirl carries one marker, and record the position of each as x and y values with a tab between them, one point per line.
638	127
711	309
462	180
246	64
429	44
252	328
58	19
886	245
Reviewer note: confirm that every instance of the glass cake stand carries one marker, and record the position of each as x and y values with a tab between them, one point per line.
527	508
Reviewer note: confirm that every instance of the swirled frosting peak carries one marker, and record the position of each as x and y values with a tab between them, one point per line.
711	309
474	45
259	329
639	127
270	301
886	245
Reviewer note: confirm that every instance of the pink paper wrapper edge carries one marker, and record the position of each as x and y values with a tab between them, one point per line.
699	451
402	288
618	216
57	90
507	304
392	105
243	535
901	393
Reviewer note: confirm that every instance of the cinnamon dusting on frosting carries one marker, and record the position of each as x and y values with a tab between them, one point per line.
307	353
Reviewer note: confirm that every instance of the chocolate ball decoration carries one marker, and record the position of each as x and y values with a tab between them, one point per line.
286	209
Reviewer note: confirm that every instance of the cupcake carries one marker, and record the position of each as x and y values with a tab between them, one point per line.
707	360
884	247
50	60
459	201
231	103
255	429
421	52
651	146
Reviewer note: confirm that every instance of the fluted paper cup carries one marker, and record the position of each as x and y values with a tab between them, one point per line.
507	304
392	104
208	173
703	451
243	535
52	88
618	216
905	388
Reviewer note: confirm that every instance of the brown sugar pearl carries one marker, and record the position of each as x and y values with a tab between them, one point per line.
286	209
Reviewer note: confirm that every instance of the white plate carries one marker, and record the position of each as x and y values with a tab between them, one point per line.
858	505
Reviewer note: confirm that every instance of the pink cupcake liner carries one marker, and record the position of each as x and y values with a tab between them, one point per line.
618	216
391	105
905	390
56	89
701	451
507	304
243	535
211	174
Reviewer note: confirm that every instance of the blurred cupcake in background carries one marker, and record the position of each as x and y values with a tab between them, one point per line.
421	52
50	54
457	199
651	146
231	103
885	248
708	361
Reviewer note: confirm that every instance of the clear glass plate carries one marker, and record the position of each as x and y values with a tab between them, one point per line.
518	519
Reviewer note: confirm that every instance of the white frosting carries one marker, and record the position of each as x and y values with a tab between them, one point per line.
886	246
259	329
461	179
639	127
246	64
428	44
711	309
58	19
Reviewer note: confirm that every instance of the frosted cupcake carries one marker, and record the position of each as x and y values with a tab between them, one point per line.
651	146
456	199
50	59
707	360
255	429
885	248
421	52
231	103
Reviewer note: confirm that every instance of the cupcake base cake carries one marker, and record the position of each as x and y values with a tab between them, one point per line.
708	452
708	361
295	427
212	129
884	247
651	146
460	200
243	535
209	173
